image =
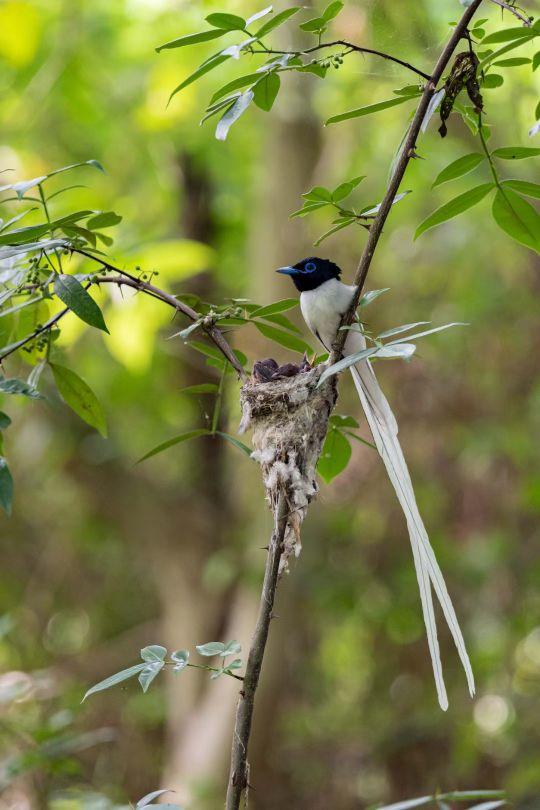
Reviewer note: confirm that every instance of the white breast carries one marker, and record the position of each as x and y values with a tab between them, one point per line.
323	307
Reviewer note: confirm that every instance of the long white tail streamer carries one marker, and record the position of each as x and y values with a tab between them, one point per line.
384	428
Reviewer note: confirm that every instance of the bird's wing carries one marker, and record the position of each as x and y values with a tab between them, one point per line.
383	426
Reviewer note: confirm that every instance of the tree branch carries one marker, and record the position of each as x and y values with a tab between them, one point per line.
239	772
126	279
406	154
356	48
513	10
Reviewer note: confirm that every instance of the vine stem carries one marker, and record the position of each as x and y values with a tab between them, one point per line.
406	154
239	770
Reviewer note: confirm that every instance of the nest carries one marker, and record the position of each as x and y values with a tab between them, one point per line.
289	420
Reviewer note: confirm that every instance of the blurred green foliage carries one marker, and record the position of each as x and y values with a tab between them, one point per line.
101	558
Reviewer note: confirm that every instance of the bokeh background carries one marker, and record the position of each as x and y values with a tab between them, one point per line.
102	557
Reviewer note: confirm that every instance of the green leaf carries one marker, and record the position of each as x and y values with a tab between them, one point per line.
236	84
211	648
318	194
332	10
371	108
80	397
236	442
70	290
308	208
6	486
206	67
515	62
536	61
147	675
182	437
202	388
344	189
233	114
180	658
341	421
231	648
153	653
266	90
5	420
292	342
258	15
272	309
209	350
15	386
114	679
340	225
103	220
492	80
406	327
192	39
227	22
456	206
517	218
335	455
509	34
516	152
524	187
458	168
283	321
276	21
94	163
316	25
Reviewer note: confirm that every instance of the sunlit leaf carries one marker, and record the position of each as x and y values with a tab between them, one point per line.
344	189
370	108
458	168
332	10
115	679
509	34
272	309
147	675
517	218
145	801
276	21
79	396
180	658
233	114
408	804
211	648
192	39
406	327
471	795
72	293
258	15
227	22
456	206
15	386
153	653
236	84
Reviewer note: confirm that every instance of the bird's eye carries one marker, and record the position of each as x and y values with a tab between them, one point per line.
310	267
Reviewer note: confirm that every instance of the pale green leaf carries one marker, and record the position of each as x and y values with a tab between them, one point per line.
458	168
79	396
370	108
115	679
456	206
517	218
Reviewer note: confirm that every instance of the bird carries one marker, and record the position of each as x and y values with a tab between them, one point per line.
324	299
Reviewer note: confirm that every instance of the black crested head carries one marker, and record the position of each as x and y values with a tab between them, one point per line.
310	273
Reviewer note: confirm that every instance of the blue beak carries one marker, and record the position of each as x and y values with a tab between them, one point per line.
288	271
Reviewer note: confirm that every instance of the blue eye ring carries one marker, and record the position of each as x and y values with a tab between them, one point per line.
310	267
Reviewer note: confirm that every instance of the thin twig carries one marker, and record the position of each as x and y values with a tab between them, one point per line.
407	153
357	48
513	10
239	772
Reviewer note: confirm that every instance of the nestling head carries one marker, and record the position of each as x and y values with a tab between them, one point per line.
310	273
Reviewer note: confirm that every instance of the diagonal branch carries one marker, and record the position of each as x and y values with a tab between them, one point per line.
513	10
407	153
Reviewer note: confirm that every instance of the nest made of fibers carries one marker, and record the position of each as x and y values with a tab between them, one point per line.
289	420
